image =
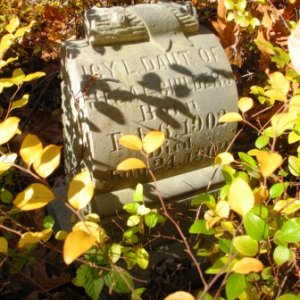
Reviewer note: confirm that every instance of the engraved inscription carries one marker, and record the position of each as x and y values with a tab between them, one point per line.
123	67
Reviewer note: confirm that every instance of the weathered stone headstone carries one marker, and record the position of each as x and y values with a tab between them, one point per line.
142	68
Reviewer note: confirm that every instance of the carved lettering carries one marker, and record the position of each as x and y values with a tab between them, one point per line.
148	64
114	137
211	121
208	55
148	112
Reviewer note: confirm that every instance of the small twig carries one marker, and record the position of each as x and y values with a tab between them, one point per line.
177	227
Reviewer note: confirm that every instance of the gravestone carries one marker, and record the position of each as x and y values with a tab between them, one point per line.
141	68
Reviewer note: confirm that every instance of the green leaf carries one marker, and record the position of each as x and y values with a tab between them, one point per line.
228	173
6	196
115	252
48	222
151	219
248	160
261	211
267	274
281	255
138	193
225	245
119	281
255	226
130	258
288	297
277	190
205	198
207	296
219	265
262	141
89	278
130	236
3	245
289	232
294	165
246	245
131	207
136	294
200	227
224	192
142	258
133	220
235	286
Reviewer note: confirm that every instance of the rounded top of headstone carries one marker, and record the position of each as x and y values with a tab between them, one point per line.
107	26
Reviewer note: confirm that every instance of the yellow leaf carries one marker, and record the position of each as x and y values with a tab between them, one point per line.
247	265
153	140
21	31
61	235
18	77
29	238
6	161
245	103
31	148
240	196
275	95
283	121
33	197
294	104
130	164
279	82
268	162
132	142
76	244
3	63
47	161
3	245
34	76
21	102
45	235
12	25
91	228
263	45
180	295
252	152
222	209
6	42
261	194
231	117
35	237
81	190
293	137
5	83
224	158
8	129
